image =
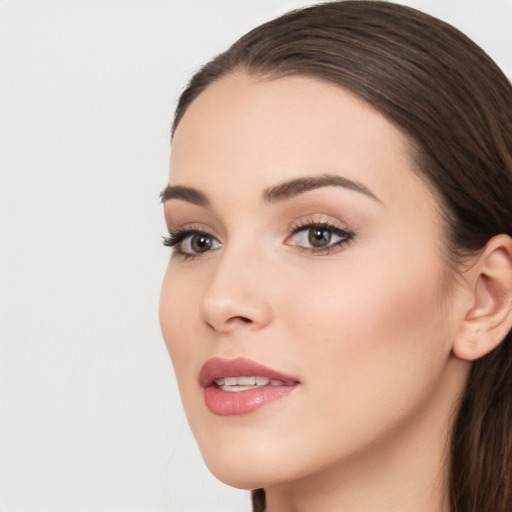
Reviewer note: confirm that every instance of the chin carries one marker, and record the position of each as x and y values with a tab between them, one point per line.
248	467
234	467
236	479
247	477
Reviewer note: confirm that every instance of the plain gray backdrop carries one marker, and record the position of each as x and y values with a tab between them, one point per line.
91	420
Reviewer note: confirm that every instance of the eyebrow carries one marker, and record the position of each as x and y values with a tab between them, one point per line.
274	194
298	186
192	195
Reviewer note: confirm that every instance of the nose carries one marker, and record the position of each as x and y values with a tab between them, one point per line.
236	297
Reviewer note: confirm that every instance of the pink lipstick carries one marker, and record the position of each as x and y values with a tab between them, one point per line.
240	386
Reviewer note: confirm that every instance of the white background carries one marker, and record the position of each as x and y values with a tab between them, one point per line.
90	414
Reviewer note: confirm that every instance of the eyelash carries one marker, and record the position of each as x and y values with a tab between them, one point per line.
345	236
178	236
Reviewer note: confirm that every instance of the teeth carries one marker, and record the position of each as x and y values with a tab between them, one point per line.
237	388
247	382
262	381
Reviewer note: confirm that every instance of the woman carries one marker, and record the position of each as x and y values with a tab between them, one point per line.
339	297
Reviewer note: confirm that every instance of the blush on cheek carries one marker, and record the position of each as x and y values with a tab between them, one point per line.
173	324
387	314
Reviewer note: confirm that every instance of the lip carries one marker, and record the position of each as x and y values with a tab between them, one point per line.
226	403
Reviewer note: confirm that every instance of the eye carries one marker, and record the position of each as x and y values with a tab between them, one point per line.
319	238
196	243
190	242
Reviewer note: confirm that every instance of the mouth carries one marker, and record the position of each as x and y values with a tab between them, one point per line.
240	386
235	384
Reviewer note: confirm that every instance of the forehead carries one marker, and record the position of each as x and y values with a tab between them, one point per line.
248	130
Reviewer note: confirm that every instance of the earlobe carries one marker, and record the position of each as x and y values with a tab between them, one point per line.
489	319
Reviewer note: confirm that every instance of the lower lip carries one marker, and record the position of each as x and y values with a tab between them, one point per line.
235	403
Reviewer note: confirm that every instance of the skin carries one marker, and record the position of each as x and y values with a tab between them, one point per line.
367	328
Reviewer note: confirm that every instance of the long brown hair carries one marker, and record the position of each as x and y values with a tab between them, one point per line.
455	105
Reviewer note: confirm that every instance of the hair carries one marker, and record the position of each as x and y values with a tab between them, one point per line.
455	106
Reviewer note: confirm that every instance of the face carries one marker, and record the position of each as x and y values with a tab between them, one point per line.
306	257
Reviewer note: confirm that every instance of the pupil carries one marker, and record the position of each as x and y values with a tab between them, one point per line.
319	237
201	243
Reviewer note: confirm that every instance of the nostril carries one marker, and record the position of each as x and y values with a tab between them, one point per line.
233	322
239	320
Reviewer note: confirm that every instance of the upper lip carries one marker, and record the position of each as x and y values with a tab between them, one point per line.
218	367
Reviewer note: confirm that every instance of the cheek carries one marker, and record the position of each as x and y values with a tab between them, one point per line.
365	305
371	348
179	314
371	333
178	319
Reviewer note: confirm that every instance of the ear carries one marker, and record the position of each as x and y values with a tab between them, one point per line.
489	318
